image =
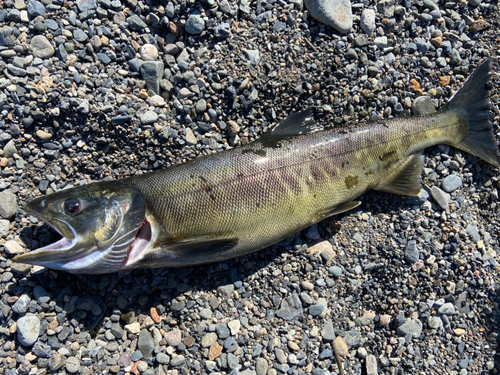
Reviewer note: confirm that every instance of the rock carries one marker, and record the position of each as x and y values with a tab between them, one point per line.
451	183
174	337
195	24
261	366
441	198
380	42
340	346
208	339
234	326
43	135
162	358
328	332
223	30
335	271
149	117
423	105
367	22
35	9
371	365
6	37
411	252
412	326
28	329
435	322
13	248
190	137
135	23
334	13
157	101
72	365
253	56
8	204
385	320
149	52
86	5
447	309
152	73
145	343
290	308
10	149
21	305
316	310
41	47
473	232
214	351
352	338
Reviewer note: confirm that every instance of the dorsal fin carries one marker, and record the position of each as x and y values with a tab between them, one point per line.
296	124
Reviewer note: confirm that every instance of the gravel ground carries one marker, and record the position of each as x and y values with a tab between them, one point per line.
93	90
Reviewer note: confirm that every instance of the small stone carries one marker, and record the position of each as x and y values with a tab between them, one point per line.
352	338
149	117
441	198
261	366
28	329
335	271
162	358
190	137
385	320
149	52
234	326
152	73
367	21
195	24
72	365
371	365
328	331
451	183
157	101
135	23
459	331
13	248
21	305
478	25
411	252
447	309
174	337
340	346
413	327
43	135
290	308
208	339
316	310
145	343
214	351
253	56
423	105
8	204
134	328
153	312
435	322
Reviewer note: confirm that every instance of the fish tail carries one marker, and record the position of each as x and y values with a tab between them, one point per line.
472	99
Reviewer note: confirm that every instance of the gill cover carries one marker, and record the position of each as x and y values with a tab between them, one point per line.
99	222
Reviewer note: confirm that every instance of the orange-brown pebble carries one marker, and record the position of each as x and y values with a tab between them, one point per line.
214	351
154	315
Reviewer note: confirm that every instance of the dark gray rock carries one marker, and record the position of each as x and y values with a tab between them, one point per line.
411	252
145	343
334	13
6	37
423	105
136	24
152	73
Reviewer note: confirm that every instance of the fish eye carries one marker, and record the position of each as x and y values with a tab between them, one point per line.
71	206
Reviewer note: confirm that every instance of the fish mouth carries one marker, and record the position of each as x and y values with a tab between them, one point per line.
71	254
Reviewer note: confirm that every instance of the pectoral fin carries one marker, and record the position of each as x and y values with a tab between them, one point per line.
406	180
338	209
200	247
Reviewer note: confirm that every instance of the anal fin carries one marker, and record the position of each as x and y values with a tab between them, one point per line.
338	209
406	180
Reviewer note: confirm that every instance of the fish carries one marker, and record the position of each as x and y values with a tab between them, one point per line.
244	199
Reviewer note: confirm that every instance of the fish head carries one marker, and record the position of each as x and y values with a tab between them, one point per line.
99	224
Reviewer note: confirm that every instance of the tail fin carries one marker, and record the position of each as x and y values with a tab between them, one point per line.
472	99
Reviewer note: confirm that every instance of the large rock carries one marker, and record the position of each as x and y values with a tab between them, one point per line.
334	13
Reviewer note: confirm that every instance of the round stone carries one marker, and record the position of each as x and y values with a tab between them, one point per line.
149	52
195	24
41	47
28	329
149	117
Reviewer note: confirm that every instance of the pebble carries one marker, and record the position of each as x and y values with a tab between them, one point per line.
412	326
28	329
371	365
334	13
451	183
145	343
208	339
149	117
8	204
340	346
149	52
195	24
441	198
367	21
447	309
174	337
411	252
423	105
335	271
13	248
290	308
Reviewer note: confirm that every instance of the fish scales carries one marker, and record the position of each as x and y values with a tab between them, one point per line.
241	200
